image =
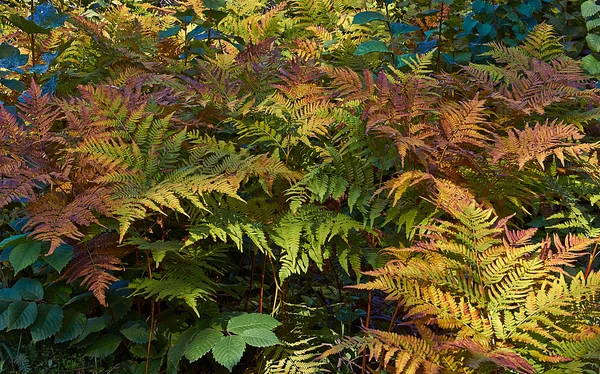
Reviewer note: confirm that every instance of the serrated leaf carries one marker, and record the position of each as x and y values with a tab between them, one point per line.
202	343
26	25
484	29
60	257
469	23
29	289
103	346
214	4
46	16
3	315
8	294
15	239
13	84
24	255
136	331
229	350
176	351
260	337
402	28
21	314
11	58
171	31
73	326
239	324
591	65
48	322
589	8
370	47
366	17
592	24
593	41
92	325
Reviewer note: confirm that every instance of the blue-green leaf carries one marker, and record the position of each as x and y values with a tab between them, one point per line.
103	346
13	84
48	322
60	258
21	314
171	31
366	17
402	28
73	326
24	255
370	47
11	58
46	16
29	289
8	294
136	331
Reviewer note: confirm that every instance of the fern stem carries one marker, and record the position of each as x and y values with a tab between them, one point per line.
588	270
277	288
439	52
262	283
150	337
367	324
251	280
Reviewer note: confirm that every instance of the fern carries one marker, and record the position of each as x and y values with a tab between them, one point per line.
487	289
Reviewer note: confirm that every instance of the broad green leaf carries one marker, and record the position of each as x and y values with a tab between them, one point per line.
92	325
60	258
21	314
15	239
24	255
73	326
589	8
214	4
469	23
239	324
48	322
8	294
136	331
29	289
402	28
58	293
3	315
176	350
370	47
11	58
260	337
591	65
366	17
592	24
46	16
203	342
171	31
229	350
484	29
26	25
13	84
103	346
593	41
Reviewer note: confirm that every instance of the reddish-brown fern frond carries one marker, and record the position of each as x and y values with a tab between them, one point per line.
54	218
93	263
539	142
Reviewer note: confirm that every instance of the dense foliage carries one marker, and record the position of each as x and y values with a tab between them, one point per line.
301	186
